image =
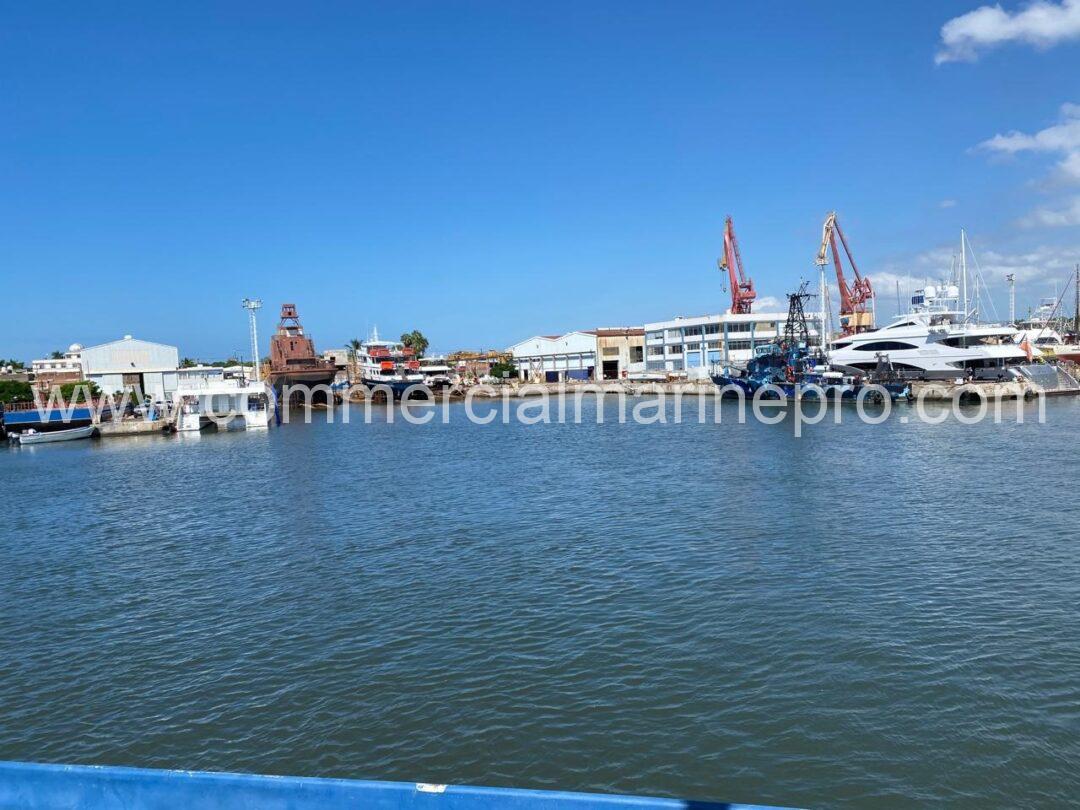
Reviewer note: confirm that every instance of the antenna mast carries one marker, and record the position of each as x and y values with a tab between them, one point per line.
1011	278
252	305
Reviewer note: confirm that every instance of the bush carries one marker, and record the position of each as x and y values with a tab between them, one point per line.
504	370
68	390
15	391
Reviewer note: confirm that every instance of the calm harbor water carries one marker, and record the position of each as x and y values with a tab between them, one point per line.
876	615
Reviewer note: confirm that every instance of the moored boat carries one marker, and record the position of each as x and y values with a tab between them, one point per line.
33	436
390	364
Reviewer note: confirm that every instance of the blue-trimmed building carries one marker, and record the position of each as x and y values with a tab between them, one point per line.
693	345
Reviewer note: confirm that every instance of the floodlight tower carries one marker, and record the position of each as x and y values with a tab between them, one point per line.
1011	278
252	305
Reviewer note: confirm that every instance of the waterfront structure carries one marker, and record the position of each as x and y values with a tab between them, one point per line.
131	363
691	346
556	358
232	403
50	371
621	352
342	360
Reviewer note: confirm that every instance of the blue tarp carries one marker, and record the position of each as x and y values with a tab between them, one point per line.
27	785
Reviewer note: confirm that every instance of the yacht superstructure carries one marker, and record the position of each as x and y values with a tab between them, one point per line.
935	340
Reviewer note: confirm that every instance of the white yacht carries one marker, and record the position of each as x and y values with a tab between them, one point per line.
388	363
935	340
1039	332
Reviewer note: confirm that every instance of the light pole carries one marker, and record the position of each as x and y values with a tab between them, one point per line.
252	305
1011	278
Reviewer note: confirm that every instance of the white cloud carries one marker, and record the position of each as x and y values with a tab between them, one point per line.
1042	24
947	204
1037	266
1069	214
1063	138
769	303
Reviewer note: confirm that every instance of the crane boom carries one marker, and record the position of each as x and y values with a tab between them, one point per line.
854	316
742	287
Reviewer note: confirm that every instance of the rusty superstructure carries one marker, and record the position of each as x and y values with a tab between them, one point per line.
293	360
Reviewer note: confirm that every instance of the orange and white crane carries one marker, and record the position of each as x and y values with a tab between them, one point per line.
742	287
855	314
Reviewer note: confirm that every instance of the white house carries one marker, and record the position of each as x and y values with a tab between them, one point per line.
556	358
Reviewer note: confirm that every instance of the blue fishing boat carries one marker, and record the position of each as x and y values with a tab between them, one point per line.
790	367
31	785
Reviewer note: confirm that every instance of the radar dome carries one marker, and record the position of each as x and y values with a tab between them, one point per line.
75	347
931	291
953	291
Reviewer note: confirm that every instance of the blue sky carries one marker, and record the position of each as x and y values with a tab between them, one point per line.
489	171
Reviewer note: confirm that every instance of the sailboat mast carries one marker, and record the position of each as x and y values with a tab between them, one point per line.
1076	291
963	271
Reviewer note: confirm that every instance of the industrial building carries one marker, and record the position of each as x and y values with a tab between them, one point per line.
691	346
556	358
621	351
128	363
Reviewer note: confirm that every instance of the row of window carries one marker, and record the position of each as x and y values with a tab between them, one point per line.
691	332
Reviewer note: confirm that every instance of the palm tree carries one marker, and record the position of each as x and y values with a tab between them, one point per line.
354	350
416	341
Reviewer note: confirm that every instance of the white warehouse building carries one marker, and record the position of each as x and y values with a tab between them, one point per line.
122	364
693	346
556	358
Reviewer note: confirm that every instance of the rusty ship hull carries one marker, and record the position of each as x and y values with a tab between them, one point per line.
297	373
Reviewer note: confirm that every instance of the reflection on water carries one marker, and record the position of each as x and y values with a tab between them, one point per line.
865	615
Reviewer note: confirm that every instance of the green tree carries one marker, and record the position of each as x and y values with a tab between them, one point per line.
504	369
56	355
17	365
187	362
81	388
15	391
416	341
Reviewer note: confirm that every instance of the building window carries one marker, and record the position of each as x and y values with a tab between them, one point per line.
611	351
714	344
692	331
712	329
656	351
739	345
655	336
674	334
637	354
674	349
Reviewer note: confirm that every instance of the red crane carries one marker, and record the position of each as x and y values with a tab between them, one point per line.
854	315
742	288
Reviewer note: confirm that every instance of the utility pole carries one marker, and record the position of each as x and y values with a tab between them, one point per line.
1011	278
252	305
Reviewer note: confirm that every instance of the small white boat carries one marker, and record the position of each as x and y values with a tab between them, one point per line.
36	437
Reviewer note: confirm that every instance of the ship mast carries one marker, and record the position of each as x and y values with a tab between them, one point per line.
963	271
